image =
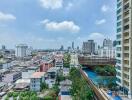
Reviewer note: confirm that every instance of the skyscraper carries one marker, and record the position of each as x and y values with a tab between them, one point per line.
88	47
73	45
124	46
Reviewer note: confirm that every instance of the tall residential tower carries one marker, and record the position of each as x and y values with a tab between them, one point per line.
124	46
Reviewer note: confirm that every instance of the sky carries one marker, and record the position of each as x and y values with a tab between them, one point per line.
48	24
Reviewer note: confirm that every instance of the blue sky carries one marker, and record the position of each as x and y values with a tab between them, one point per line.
52	23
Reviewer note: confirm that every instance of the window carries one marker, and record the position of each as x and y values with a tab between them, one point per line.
119	17
119	23
118	11
118	48
118	61
119	4
118	42
118	36
118	55
126	27
119	30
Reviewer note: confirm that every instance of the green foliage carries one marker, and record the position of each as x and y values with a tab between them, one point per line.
43	86
25	95
7	98
59	78
48	98
80	89
56	88
10	94
67	59
105	70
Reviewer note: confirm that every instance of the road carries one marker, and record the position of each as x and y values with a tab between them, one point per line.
74	60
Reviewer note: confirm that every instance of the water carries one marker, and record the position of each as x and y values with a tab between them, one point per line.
99	80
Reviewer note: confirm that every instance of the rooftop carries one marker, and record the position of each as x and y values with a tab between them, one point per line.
37	74
53	69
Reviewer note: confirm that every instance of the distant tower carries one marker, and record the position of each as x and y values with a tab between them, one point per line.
62	48
3	47
89	47
77	47
73	45
107	43
21	50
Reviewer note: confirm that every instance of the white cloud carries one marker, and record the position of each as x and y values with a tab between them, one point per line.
69	26
52	4
6	17
69	6
105	8
97	37
99	22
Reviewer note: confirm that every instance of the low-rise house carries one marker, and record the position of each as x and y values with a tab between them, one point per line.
27	73
45	65
2	73
51	76
36	80
12	77
65	87
3	86
22	84
59	61
5	64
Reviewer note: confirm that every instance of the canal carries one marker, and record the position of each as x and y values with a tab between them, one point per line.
99	80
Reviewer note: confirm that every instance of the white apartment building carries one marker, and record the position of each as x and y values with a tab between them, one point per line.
106	52
124	46
21	50
36	80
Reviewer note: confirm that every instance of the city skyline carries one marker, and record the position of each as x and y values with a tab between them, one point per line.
44	24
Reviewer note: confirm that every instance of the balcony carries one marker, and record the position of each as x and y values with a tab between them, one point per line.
126	58
126	2
126	72
126	65
126	79
126	36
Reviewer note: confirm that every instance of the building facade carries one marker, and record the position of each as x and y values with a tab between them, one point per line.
124	46
12	77
88	47
21	50
36	80
106	52
107	43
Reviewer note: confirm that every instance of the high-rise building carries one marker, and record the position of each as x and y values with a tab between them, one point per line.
61	48
3	47
21	50
73	45
124	46
88	47
107	43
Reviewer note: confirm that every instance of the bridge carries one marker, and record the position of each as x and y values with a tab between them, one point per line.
95	60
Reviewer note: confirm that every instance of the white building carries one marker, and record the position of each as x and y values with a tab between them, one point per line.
124	46
21	50
36	80
27	73
106	52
